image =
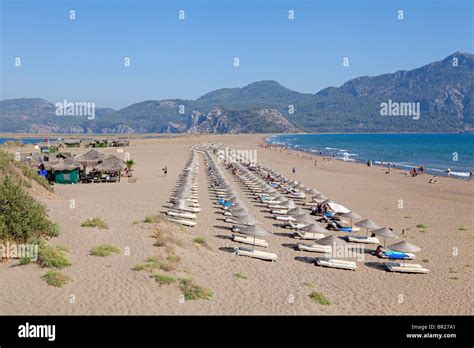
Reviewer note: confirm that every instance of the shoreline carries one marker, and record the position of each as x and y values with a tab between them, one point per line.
322	157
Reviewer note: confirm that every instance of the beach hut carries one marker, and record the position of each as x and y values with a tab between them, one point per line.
65	172
112	166
90	158
72	142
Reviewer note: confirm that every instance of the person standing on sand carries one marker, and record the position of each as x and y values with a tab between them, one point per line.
315	162
294	171
165	171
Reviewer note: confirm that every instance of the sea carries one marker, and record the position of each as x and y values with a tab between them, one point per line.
436	152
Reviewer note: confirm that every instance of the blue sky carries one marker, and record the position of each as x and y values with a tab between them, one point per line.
82	59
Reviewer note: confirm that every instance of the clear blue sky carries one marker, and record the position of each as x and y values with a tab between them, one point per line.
82	60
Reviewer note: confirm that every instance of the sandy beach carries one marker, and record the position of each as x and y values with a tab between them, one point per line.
109	285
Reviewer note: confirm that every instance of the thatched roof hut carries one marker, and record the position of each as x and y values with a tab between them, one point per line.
62	165
110	164
72	142
90	158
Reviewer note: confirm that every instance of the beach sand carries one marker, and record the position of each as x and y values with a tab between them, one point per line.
109	285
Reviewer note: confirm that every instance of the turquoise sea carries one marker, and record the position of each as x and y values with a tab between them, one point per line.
436	152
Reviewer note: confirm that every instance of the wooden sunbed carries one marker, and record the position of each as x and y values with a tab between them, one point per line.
334	263
317	248
262	255
405	267
308	235
250	240
363	239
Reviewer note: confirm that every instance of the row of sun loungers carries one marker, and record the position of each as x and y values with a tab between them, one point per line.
185	199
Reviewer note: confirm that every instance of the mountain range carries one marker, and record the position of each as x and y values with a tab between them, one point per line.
443	90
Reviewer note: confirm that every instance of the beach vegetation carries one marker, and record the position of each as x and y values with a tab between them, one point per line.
163	279
52	257
240	276
104	250
21	216
9	166
95	222
192	291
461	228
56	279
421	226
200	240
425	260
25	261
318	297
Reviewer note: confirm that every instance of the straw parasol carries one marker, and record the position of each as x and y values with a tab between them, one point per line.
255	231
385	232
367	224
65	165
331	240
404	247
351	215
295	211
315	228
304	218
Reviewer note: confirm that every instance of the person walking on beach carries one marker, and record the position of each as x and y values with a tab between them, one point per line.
294	171
165	171
315	163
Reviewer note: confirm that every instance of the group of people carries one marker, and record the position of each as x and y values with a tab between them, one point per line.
320	209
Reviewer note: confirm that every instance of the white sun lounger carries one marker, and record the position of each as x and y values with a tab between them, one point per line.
362	239
317	248
263	255
249	240
405	268
284	218
184	222
182	215
279	211
309	235
334	263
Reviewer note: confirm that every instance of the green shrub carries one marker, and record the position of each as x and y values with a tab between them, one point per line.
21	216
25	261
52	257
421	226
240	276
95	222
104	250
56	279
318	297
192	291
163	279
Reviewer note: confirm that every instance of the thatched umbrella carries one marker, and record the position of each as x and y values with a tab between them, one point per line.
385	232
315	228
296	211
331	240
404	247
255	231
367	224
246	220
304	218
288	204
351	215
